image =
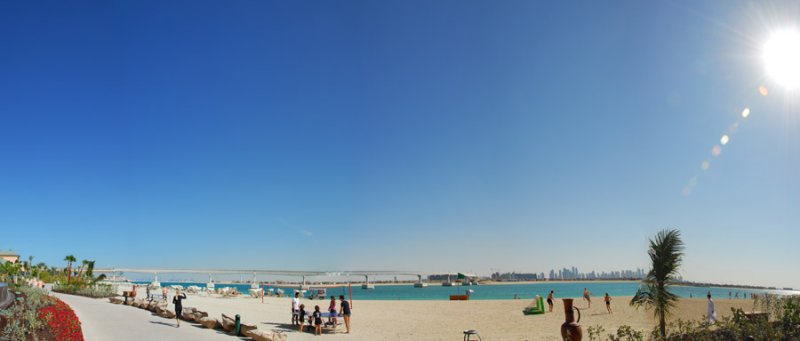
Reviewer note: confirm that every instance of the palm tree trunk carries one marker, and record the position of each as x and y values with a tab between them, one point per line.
662	326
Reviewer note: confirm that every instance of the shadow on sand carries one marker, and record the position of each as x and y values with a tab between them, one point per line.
197	325
288	327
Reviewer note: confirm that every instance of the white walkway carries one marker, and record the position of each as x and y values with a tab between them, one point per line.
102	321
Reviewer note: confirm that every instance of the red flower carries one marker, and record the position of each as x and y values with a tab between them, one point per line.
62	322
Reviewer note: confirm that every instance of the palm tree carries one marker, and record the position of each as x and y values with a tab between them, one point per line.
14	269
83	265
40	267
90	269
30	263
5	270
666	253
69	259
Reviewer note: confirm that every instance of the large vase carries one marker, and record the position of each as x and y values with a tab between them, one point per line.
570	329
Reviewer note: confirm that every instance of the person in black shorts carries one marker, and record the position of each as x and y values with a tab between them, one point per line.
345	311
317	315
550	300
608	302
301	317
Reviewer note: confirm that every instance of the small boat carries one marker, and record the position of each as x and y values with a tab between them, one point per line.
420	285
465	297
367	286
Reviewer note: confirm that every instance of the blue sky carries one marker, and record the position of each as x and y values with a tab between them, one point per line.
419	135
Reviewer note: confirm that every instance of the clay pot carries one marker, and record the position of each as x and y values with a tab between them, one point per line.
570	329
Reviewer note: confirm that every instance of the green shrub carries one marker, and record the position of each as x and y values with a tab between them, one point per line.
94	291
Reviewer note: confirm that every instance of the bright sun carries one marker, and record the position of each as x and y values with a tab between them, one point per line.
782	58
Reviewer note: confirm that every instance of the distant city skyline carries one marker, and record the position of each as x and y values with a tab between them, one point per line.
438	136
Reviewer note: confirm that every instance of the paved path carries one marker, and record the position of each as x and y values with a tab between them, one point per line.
101	321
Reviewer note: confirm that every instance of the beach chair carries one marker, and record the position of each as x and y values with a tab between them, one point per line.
537	309
469	333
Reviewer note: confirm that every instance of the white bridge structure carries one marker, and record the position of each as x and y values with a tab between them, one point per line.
255	273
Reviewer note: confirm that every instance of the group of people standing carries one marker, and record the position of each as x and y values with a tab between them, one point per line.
298	311
587	296
315	318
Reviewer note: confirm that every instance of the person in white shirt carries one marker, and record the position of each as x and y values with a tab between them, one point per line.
712	310
296	309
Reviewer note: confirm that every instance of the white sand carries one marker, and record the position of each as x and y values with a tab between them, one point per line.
438	320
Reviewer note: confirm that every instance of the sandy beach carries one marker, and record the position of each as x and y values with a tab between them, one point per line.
445	320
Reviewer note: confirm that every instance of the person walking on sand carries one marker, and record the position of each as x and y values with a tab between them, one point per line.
587	297
345	311
295	308
176	300
164	294
550	300
607	299
712	310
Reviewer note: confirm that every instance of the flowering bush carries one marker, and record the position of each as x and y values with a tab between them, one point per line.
61	321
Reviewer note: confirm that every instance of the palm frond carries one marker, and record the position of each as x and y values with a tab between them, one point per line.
666	255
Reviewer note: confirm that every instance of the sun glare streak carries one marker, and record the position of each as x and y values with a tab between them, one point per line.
781	55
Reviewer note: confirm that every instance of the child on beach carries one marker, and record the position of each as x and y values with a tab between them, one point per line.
550	300
317	321
332	310
607	299
301	317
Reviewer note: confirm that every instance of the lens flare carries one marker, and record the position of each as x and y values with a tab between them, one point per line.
745	112
716	150
724	139
705	165
763	90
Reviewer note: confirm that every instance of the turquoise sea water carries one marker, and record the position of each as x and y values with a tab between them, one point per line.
506	291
